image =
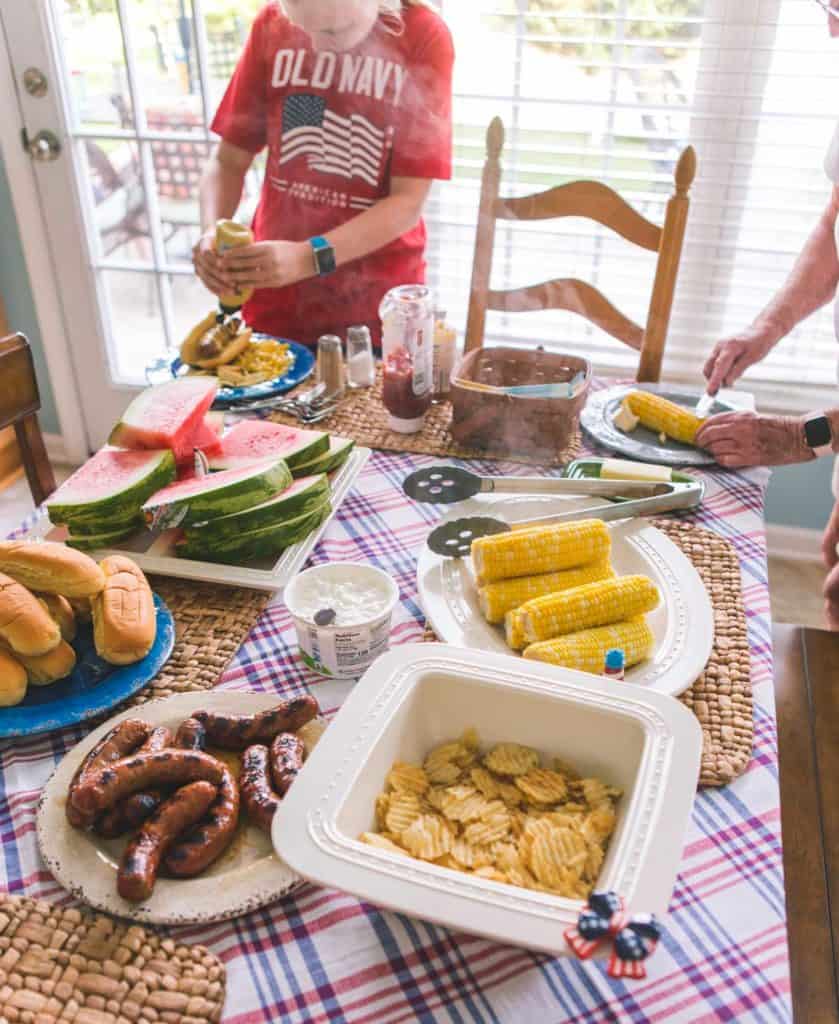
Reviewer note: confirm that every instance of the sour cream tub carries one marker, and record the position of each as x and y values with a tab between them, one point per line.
342	612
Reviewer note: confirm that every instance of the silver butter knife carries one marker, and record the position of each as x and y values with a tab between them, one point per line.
703	406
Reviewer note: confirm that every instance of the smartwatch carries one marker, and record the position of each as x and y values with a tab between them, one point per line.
324	255
818	435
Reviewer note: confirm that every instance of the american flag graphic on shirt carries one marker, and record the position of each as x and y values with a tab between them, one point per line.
351	147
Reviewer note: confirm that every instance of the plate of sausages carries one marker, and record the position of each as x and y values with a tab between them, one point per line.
163	814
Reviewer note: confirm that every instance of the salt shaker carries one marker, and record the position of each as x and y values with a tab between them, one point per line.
361	369
330	365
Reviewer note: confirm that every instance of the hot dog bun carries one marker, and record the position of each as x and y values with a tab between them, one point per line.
25	624
12	681
52	568
124	621
60	610
44	669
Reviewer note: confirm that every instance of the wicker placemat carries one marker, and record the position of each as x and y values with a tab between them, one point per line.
63	965
362	417
212	622
721	698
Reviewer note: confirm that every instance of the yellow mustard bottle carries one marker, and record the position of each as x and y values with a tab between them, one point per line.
230	235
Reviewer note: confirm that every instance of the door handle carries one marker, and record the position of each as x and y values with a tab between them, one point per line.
44	147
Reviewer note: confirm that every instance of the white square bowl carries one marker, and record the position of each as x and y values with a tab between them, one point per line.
420	695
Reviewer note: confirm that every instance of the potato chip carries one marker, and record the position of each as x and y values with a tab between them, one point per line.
382	801
463	803
509	794
600	824
403	809
494	824
493	874
434	797
375	839
542	786
407	778
485	782
471	856
448	861
471	740
593	863
596	792
511	759
446	773
428	837
505	855
566	769
557	858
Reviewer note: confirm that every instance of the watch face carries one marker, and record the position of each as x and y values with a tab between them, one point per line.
326	259
817	432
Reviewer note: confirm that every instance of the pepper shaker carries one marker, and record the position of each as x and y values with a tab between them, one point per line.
330	365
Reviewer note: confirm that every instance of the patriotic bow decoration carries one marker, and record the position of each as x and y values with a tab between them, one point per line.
635	937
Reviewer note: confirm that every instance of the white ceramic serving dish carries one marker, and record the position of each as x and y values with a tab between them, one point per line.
683	623
247	876
155	552
419	695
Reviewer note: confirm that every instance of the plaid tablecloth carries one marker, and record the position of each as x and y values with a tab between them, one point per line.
322	955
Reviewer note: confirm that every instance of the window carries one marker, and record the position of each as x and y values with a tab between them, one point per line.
614	90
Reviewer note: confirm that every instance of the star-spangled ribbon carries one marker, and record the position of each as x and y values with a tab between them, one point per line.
634	937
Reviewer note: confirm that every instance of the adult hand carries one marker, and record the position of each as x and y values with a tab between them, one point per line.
831	538
207	263
268	264
748	439
731	357
831	598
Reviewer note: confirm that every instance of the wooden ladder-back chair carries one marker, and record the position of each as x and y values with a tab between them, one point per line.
19	405
597	202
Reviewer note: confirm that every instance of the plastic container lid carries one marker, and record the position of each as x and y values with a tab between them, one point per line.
406	426
615	659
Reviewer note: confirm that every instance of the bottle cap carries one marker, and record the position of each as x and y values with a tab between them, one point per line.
615	659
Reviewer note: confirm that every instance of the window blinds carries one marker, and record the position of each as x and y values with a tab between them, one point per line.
614	90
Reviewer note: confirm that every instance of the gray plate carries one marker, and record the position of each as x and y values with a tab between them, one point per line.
600	410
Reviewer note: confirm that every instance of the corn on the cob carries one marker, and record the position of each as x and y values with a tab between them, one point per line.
541	549
663	416
496	599
593	604
586	650
514	630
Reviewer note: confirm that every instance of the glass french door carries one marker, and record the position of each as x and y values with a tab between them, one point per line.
115	100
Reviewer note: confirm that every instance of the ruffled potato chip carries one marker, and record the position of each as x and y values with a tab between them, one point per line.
484	781
511	759
493	874
403	809
596	792
463	803
382	802
542	786
428	837
471	856
376	839
407	778
493	825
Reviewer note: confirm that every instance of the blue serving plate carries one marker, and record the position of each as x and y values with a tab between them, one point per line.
304	363
93	686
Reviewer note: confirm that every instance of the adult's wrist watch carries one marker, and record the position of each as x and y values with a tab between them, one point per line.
324	256
818	434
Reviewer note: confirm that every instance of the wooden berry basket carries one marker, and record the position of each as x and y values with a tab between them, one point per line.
487	419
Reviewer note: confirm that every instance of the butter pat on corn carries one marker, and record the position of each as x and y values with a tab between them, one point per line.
623	469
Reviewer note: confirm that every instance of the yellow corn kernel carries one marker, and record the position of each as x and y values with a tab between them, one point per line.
585	607
539	550
586	650
663	416
496	599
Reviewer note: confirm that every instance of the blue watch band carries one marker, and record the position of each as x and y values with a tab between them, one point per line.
324	255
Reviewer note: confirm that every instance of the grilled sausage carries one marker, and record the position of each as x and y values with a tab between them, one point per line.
258	796
140	862
129	814
205	843
236	732
99	790
191	735
286	760
118	743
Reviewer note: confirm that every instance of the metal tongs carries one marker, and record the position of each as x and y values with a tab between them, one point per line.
448	484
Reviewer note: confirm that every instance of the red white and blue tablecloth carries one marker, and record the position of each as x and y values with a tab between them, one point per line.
321	955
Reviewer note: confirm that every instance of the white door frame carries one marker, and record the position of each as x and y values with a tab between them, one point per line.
36	250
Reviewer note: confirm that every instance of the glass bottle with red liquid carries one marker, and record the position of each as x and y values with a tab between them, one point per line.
407	314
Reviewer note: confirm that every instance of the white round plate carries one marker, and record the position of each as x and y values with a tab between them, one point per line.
683	623
248	875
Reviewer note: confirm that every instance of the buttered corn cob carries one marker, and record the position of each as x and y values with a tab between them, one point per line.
540	550
585	607
663	416
496	599
586	650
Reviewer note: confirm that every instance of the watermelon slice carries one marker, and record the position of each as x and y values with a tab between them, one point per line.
95	541
166	416
257	439
294	501
207	439
337	454
110	488
219	494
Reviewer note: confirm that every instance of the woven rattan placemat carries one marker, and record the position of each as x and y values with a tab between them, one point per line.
212	622
60	964
362	417
721	698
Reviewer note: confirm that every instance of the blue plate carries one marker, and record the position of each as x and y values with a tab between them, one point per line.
92	687
304	363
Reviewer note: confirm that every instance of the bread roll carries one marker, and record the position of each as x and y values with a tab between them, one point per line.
52	568
25	624
12	681
46	668
60	610
124	621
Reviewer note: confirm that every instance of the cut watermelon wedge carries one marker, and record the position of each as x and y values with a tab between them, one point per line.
166	416
207	439
337	455
110	488
219	494
254	439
